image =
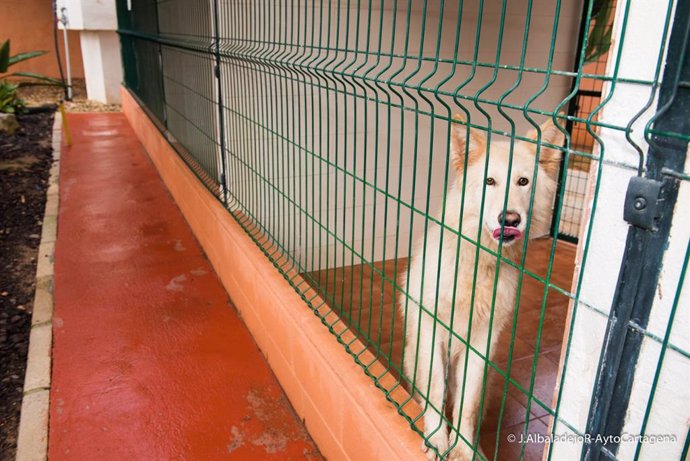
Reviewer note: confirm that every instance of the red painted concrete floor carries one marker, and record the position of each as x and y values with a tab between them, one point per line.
150	359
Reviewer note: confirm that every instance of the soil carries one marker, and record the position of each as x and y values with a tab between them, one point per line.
25	160
38	95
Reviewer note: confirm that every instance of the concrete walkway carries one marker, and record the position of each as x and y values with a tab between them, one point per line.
150	360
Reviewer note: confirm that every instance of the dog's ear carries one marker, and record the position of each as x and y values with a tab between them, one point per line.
465	140
549	158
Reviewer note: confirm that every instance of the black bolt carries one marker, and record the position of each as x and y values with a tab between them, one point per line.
640	203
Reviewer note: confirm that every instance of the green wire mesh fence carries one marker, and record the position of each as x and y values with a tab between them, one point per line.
597	30
404	165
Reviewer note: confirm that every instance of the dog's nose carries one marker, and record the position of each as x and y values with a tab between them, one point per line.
512	219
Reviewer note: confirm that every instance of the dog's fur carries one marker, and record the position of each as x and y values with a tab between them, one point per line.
441	275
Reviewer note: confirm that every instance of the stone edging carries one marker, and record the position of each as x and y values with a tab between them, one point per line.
32	442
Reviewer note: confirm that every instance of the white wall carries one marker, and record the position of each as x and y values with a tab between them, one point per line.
102	65
258	100
97	21
89	14
639	54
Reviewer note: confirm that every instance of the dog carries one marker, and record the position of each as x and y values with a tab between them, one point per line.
441	276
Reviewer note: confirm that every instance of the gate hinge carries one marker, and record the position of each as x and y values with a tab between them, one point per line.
642	201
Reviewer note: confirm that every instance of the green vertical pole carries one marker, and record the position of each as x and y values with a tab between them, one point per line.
221	115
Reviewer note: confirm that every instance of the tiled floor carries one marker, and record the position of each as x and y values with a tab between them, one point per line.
150	359
523	361
368	300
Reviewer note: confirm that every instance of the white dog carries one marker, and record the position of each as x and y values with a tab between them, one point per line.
441	275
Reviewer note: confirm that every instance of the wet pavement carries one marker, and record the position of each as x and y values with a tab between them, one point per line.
150	359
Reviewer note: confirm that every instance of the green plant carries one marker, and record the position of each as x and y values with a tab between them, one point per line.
601	29
9	102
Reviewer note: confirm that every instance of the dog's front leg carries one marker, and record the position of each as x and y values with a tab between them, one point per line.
466	410
431	376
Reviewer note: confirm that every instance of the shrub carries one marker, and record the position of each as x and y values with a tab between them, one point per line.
9	102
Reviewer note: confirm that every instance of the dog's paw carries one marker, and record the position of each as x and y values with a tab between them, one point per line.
438	440
462	452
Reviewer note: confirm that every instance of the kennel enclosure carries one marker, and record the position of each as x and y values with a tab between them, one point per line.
323	128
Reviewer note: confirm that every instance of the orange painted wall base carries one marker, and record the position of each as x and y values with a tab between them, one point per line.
344	412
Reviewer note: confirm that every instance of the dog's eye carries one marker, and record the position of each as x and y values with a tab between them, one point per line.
523	181
490	181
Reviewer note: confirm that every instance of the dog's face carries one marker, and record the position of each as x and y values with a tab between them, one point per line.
506	219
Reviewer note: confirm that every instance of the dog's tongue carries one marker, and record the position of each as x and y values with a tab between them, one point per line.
507	232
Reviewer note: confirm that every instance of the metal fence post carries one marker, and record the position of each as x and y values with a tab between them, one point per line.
161	69
221	115
645	247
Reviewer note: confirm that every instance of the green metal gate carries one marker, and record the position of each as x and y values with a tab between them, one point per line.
328	129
